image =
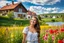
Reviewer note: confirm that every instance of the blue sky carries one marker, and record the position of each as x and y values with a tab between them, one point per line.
40	6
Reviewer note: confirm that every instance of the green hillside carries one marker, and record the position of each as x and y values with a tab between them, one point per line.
53	14
59	15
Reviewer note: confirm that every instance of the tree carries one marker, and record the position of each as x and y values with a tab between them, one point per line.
63	17
39	17
10	14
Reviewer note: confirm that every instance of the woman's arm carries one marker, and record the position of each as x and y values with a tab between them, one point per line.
38	40
24	38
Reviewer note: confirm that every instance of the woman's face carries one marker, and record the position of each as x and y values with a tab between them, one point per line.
33	21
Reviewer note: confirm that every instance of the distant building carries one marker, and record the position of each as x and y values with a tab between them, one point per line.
30	14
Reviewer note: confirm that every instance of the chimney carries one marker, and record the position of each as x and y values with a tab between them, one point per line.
12	2
6	4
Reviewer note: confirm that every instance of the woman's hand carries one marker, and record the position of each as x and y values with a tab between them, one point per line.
38	40
23	41
24	38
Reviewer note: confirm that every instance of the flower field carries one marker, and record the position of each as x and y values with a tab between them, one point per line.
49	34
54	34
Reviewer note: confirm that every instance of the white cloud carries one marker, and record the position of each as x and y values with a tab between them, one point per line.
2	0
54	12
45	12
40	10
41	2
3	3
61	11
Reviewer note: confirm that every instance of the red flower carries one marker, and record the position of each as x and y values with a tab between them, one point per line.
51	31
62	30
60	41
56	31
63	40
46	30
45	37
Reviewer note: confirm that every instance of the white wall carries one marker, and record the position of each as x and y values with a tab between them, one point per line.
27	16
16	14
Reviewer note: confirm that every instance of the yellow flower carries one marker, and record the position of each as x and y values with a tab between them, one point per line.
12	35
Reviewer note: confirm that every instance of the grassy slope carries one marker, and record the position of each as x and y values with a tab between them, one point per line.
50	19
5	21
54	14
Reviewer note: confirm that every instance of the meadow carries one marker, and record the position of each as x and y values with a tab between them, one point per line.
48	34
11	31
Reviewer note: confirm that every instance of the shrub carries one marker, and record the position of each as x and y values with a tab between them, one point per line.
10	14
39	17
53	20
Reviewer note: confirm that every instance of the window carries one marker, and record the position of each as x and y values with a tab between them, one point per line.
24	15
19	15
20	10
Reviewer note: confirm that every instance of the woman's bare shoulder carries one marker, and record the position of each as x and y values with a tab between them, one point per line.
27	27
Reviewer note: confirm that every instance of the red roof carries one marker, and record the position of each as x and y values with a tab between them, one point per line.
31	13
11	6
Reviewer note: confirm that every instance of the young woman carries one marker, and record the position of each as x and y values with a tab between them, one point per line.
31	33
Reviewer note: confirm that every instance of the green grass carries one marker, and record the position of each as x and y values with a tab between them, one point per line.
6	21
50	19
13	22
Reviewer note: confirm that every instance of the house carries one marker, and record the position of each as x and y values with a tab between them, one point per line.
18	9
30	14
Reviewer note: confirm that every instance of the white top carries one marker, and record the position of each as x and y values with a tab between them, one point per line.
30	36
